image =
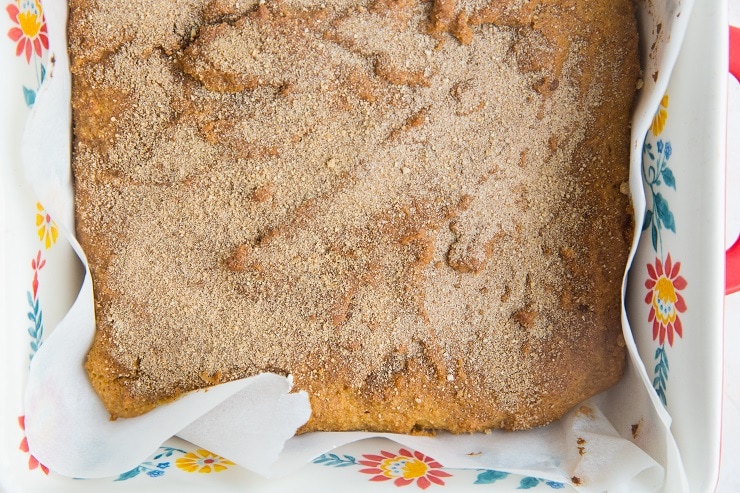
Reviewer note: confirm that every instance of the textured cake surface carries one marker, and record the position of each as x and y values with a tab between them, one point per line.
416	208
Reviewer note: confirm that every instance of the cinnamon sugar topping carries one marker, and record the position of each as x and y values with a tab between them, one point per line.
377	195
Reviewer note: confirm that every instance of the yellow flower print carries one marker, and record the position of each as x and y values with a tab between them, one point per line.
45	227
203	461
660	117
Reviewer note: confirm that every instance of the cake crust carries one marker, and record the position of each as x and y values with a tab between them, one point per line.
415	208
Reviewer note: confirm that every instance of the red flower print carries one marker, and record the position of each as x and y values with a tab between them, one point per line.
404	468
37	264
33	462
664	284
30	31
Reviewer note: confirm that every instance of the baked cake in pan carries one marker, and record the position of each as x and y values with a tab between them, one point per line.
416	208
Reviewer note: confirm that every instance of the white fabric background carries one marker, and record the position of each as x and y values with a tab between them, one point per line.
729	481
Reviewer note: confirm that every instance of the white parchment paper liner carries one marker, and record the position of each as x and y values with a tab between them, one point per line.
624	432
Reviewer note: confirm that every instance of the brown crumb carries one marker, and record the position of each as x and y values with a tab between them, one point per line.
416	120
441	16
385	69
237	261
461	29
263	193
581	446
211	378
586	411
525	317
